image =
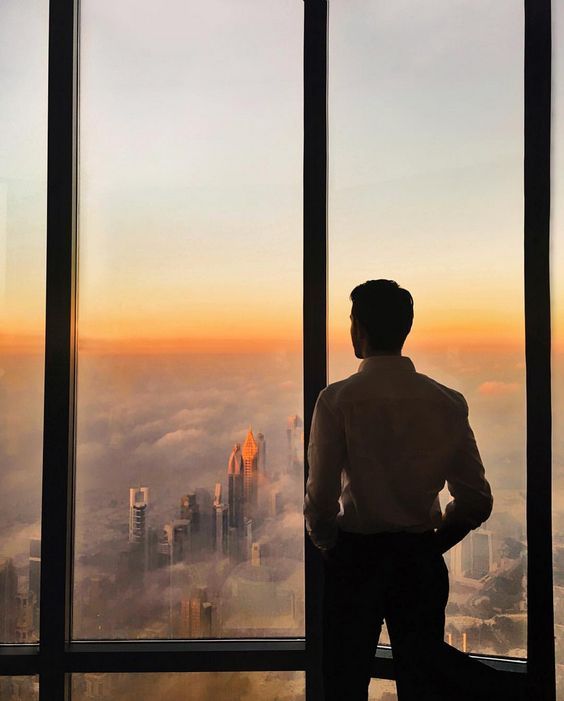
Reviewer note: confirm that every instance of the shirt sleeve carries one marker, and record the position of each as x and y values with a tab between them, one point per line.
466	480
326	451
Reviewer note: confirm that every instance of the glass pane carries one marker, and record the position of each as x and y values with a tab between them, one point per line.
557	285
190	321
426	151
19	688
382	690
196	686
23	164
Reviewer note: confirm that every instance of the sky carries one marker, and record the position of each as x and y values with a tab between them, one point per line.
425	148
191	167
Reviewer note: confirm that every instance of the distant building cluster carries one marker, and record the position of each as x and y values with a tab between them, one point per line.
228	532
215	526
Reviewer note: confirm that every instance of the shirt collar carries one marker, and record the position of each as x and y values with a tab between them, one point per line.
387	363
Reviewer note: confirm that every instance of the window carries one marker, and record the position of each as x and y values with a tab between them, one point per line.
425	187
168	102
23	161
189	387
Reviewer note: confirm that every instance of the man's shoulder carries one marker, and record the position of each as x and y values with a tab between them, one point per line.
441	391
348	389
334	391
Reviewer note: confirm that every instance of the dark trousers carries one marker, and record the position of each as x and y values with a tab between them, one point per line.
399	578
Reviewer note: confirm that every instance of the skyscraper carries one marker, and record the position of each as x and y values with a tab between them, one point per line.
25	605
138	529
250	453
190	509
8	594
220	522
174	542
235	487
34	576
138	505
196	615
482	553
295	435
472	558
261	442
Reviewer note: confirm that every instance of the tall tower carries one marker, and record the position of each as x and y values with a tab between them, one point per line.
294	433
197	615
190	509
174	542
138	529
217	494
472	558
220	522
138	505
235	487
250	454
481	553
261	442
8	600
35	576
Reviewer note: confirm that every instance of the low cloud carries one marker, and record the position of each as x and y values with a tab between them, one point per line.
494	388
179	437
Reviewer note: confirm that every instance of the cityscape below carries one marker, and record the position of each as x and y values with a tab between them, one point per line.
189	517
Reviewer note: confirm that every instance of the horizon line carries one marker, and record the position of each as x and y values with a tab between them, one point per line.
33	344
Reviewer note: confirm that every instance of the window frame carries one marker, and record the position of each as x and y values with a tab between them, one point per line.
57	656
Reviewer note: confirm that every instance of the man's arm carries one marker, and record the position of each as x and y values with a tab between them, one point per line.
326	451
472	497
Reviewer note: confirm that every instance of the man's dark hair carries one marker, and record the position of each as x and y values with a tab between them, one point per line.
385	311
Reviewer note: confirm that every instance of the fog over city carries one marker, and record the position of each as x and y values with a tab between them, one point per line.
168	423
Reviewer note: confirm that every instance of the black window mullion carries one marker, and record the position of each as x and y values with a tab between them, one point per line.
541	655
163	656
58	655
314	289
58	431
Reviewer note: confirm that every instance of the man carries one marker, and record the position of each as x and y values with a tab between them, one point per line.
383	443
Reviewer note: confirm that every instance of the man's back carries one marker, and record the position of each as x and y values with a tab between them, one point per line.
384	441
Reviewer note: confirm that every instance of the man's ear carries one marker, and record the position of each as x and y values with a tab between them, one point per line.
359	328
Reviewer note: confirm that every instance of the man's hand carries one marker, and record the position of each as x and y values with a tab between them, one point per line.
448	535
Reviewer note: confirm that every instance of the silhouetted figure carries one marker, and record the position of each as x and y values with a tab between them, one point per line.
383	442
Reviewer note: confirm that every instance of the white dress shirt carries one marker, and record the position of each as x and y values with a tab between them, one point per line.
383	443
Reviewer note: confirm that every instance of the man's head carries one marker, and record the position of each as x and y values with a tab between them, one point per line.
381	317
